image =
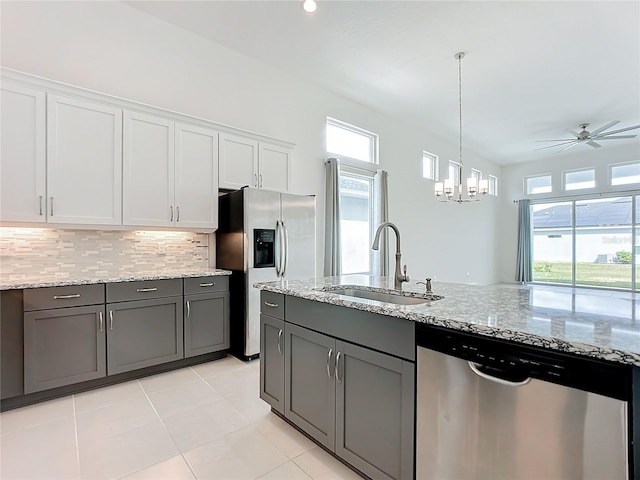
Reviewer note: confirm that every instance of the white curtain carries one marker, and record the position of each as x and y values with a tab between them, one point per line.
380	215
524	265
332	251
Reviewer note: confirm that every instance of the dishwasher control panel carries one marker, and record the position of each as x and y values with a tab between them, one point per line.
516	362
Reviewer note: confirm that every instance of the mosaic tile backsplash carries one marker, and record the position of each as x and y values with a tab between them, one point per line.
25	251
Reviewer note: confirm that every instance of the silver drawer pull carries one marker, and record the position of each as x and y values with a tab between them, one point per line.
100	322
329	362
279	337
110	319
269	304
338	367
142	290
207	284
188	309
64	297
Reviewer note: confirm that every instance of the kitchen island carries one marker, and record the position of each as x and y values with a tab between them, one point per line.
596	328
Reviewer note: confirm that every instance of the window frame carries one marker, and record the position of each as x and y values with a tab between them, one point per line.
493	185
579	170
531	177
373	144
434	162
610	168
456	172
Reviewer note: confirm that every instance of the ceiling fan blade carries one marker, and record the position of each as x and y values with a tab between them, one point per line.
573	132
593	144
558	140
603	128
615	137
557	145
573	144
618	131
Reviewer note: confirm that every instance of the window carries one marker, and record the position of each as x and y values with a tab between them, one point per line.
351	142
430	166
493	185
625	173
538	184
588	242
356	196
579	179
454	172
477	174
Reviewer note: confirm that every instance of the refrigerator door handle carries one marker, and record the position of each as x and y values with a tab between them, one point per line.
286	249
278	249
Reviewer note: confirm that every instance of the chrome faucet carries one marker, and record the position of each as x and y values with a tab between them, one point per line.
398	277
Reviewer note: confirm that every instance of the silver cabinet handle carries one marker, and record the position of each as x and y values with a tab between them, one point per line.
278	252
269	304
260	185
207	284
110	319
100	322
40	204
286	250
171	208
64	297
188	309
177	214
279	337
255	179
337	367
142	290
329	363
51	198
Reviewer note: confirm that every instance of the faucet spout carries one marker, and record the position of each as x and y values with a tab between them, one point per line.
398	277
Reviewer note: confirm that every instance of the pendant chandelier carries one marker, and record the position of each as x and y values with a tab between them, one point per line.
446	191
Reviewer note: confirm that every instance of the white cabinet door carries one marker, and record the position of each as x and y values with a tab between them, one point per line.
238	161
196	177
148	178
22	154
274	167
84	162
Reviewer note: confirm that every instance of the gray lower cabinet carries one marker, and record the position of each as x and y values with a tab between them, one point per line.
63	346
206	323
142	333
354	401
272	356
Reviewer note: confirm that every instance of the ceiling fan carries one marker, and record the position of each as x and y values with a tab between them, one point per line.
589	137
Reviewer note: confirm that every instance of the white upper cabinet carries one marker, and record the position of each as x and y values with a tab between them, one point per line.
148	185
84	162
244	161
238	161
274	164
22	154
196	176
170	173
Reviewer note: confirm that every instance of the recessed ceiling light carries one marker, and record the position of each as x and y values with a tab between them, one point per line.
309	6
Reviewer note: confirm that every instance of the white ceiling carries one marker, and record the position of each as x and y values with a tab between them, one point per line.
532	68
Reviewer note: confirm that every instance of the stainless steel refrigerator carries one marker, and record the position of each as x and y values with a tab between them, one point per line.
262	236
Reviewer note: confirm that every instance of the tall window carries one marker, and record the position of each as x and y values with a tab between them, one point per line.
454	172
356	211
351	142
493	185
429	166
587	242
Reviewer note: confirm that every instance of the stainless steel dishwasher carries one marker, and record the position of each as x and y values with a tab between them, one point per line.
488	409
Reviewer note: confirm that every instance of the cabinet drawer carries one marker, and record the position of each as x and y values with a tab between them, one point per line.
125	291
67	296
272	304
198	285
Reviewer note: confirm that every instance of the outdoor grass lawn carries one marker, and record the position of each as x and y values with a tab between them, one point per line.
601	274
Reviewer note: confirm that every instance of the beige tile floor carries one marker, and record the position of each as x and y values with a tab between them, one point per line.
201	422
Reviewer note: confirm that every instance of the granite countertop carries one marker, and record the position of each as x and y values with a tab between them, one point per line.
86	278
601	324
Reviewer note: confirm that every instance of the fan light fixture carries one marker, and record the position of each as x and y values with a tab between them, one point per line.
309	6
445	191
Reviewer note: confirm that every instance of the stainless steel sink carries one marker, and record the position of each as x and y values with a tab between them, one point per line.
387	296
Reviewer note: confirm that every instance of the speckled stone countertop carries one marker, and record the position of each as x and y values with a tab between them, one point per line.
595	323
66	278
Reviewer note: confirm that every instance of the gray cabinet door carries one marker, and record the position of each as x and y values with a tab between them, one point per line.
63	346
375	412
272	362
310	390
206	323
143	333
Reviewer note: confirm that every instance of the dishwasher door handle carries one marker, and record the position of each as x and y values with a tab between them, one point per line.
475	368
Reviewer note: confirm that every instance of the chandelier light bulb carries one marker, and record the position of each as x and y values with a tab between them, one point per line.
309	6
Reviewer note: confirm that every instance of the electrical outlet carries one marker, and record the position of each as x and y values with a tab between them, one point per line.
162	248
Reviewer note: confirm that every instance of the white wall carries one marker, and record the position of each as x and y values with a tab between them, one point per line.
113	48
580	156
